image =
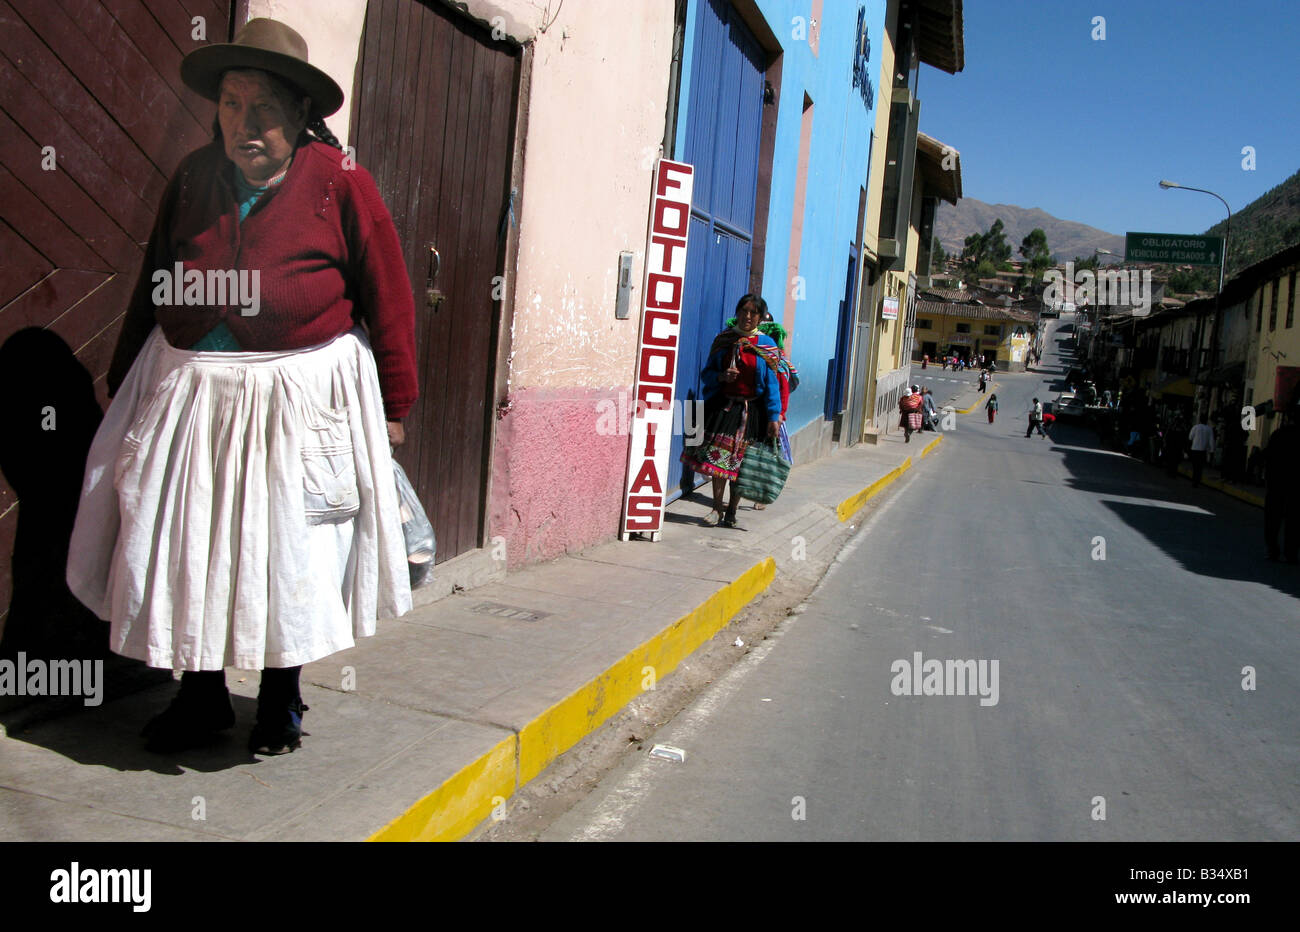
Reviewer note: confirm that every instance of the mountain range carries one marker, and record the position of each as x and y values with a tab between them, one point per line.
1261	228
1065	238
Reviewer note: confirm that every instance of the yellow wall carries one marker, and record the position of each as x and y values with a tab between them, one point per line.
944	327
1281	347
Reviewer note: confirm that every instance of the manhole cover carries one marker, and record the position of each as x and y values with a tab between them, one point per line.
508	611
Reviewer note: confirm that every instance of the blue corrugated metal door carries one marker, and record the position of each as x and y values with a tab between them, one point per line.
723	124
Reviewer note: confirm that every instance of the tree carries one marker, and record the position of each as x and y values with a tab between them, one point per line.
983	254
938	258
1038	257
999	250
1188	282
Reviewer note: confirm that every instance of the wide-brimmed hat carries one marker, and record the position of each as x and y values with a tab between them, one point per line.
267	45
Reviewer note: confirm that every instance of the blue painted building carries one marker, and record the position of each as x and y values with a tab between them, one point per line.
775	106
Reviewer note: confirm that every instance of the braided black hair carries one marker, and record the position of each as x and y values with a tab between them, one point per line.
316	126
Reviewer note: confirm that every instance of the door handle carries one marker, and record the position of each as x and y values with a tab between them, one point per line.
432	295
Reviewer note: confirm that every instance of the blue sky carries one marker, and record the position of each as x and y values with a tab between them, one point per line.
1044	116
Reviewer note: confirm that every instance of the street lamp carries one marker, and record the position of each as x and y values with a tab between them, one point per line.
1227	230
1223	259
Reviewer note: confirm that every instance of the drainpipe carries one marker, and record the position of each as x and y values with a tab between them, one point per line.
675	80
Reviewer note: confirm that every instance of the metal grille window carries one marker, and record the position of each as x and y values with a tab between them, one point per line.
963	328
993	330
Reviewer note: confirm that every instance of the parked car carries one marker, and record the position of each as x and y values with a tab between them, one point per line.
1068	405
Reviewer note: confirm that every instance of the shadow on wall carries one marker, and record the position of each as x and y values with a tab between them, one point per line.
47	422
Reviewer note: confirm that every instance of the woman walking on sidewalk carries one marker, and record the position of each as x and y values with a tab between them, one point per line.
992	407
742	404
239	507
909	410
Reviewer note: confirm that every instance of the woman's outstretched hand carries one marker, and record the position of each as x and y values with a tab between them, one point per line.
396	433
773	429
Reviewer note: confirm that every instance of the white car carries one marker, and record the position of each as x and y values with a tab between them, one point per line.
1068	404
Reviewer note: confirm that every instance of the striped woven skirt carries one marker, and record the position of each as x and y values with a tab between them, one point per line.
239	509
730	425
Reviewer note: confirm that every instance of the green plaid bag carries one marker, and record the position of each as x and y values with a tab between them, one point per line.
762	473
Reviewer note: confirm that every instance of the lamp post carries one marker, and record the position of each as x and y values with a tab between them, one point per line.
1223	259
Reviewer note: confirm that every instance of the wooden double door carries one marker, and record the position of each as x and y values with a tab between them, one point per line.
433	120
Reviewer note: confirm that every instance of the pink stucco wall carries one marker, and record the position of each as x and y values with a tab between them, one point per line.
557	481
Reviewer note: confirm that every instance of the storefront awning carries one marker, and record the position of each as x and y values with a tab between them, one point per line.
1231	374
1179	386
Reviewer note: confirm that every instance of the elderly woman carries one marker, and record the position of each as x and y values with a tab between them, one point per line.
909	411
742	403
238	507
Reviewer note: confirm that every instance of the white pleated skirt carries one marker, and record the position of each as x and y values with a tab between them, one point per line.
239	509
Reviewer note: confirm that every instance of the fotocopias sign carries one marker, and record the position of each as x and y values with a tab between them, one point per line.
651	423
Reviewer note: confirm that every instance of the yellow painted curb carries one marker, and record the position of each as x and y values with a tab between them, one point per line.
931	445
462	802
1247	497
466	799
849	507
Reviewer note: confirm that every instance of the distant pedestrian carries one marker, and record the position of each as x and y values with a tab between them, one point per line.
1035	419
1282	495
984	381
992	407
930	421
925	361
909	411
1201	438
1173	451
1049	422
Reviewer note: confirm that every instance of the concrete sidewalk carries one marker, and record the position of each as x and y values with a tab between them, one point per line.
421	732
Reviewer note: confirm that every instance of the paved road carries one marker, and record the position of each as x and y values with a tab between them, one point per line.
1118	679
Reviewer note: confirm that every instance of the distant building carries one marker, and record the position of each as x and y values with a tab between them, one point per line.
1001	335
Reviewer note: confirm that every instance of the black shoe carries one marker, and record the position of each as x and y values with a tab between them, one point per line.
278	731
192	720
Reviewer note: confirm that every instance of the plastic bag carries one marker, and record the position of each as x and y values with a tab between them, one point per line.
421	546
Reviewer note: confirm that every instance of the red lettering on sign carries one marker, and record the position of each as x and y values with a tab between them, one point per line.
655	397
647	478
652	292
669	356
665	179
682	212
652	431
670	317
669	243
643	512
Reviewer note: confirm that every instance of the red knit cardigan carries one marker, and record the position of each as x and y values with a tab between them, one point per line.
326	249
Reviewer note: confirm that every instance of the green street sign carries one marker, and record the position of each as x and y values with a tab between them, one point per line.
1174	248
